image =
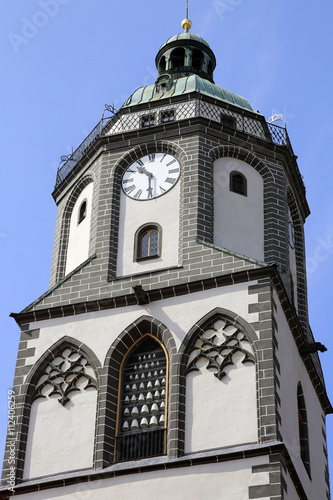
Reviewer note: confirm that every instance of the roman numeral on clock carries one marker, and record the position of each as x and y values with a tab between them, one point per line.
171	162
170	180
129	189
125	181
174	171
162	189
140	162
152	157
138	194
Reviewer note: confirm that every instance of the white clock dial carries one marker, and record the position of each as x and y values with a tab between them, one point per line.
151	176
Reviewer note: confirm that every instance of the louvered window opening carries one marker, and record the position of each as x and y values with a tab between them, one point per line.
142	419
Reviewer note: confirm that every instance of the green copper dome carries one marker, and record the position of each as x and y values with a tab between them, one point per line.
185	36
186	85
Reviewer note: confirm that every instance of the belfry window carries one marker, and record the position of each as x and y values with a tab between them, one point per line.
142	407
148	242
303	428
82	212
238	183
177	58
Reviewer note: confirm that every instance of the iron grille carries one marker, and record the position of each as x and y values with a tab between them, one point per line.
132	446
128	121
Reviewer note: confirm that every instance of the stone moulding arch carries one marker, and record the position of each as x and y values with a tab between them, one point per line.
269	183
29	388
65	223
108	405
188	343
122	163
244	155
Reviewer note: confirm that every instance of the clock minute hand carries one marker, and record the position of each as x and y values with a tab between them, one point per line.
150	189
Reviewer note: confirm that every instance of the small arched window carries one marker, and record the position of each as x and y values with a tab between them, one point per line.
238	183
197	59
162	65
303	428
82	211
142	406
148	242
177	58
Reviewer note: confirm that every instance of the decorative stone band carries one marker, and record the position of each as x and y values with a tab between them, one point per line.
276	451
218	345
67	373
191	287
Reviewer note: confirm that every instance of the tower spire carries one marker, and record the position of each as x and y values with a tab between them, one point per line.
186	23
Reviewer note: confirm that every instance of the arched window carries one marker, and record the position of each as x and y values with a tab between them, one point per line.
303	428
238	183
177	58
197	59
148	242
142	406
162	65
82	212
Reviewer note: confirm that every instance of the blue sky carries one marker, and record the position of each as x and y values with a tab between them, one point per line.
63	60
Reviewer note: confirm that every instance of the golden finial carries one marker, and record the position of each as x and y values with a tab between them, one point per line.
186	23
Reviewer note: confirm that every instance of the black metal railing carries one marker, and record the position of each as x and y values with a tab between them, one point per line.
125	121
144	444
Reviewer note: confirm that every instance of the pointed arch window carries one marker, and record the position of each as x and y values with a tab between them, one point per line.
148	242
303	428
82	212
238	183
142	406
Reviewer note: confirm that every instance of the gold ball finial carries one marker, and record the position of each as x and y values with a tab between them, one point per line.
186	25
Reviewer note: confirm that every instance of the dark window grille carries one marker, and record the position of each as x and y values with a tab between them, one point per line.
227	121
133	446
238	183
167	116
147	121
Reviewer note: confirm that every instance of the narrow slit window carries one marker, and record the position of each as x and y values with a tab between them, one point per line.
238	183
303	429
82	212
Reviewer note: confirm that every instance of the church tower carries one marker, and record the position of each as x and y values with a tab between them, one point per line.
172	355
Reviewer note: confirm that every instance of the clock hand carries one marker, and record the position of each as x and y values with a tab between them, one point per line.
143	170
150	189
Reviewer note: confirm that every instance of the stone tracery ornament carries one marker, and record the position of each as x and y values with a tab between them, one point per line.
218	345
66	373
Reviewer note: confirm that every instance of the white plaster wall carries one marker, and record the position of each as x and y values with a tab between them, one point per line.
61	438
133	214
238	219
221	412
98	330
79	234
293	371
227	481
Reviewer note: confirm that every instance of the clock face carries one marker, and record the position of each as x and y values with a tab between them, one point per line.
151	176
291	232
